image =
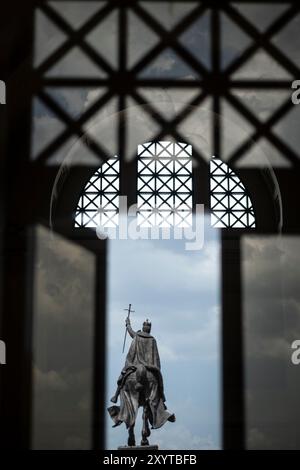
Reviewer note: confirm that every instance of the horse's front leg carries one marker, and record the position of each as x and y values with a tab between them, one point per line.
146	429
131	436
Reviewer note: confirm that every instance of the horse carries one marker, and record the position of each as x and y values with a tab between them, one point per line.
141	387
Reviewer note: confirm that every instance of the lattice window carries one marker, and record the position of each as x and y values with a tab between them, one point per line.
165	192
165	185
99	202
231	207
244	47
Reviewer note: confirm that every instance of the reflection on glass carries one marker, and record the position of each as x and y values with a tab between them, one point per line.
270	267
63	340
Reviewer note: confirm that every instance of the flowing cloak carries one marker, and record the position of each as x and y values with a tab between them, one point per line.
141	381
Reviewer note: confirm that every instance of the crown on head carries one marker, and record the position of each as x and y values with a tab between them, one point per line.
147	323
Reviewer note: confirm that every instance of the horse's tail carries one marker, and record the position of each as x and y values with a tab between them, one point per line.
141	377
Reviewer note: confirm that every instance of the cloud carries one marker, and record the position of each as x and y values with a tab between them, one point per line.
257	439
271	272
141	39
170	437
50	380
62	409
164	64
179	292
63	342
179	437
76	443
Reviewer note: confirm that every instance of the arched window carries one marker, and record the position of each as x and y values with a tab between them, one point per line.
230	205
165	191
99	202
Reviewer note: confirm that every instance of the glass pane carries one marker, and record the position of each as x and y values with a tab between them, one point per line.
270	270
179	292
63	343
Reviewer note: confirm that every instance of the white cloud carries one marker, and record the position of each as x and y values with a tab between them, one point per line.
49	381
179	437
179	292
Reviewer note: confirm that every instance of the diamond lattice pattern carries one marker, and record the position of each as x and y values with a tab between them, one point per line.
231	207
99	202
165	185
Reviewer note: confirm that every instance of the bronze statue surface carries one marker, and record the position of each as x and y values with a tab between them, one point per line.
141	385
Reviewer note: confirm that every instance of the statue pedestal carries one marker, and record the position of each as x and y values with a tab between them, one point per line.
134	448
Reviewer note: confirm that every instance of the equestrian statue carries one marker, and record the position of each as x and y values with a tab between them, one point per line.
140	385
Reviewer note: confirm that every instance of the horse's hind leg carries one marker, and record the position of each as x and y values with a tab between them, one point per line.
146	430
131	436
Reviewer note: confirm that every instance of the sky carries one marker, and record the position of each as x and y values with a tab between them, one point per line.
187	334
178	290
